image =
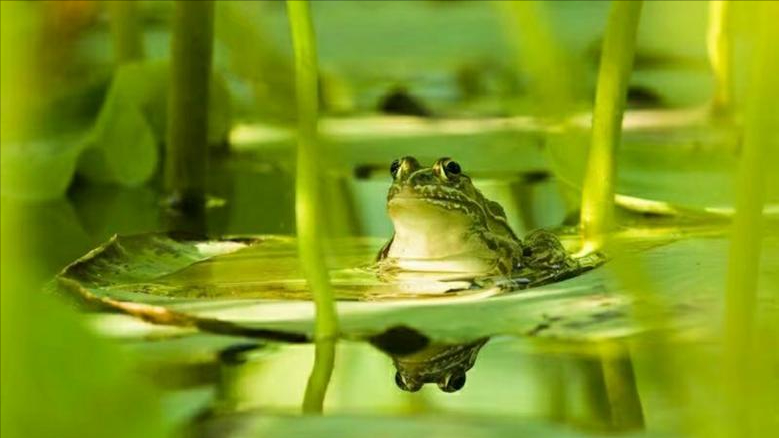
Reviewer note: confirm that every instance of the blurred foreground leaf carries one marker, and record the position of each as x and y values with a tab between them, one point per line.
123	146
344	426
39	169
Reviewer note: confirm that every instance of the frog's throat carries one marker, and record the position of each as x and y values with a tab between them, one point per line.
429	230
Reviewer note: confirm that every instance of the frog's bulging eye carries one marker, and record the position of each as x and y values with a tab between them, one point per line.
394	168
452	168
406	385
453	382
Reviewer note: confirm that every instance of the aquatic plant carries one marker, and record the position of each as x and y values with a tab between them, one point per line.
125	31
188	92
615	67
309	212
720	49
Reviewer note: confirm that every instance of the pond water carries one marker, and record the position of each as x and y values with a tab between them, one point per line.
562	356
560	383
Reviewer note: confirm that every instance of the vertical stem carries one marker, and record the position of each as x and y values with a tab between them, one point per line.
615	67
125	31
539	54
308	205
190	72
746	235
719	44
621	390
316	389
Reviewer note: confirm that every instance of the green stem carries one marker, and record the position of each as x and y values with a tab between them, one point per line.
615	66
308	205
539	54
621	390
316	388
746	235
719	43
125	31
190	72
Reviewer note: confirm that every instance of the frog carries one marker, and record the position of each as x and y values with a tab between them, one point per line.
444	365
443	223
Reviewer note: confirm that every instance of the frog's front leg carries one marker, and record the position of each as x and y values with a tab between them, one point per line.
382	254
543	251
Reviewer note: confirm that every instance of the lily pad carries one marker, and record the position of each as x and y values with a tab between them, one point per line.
252	286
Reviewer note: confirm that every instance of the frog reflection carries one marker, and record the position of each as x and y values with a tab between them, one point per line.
418	361
442	364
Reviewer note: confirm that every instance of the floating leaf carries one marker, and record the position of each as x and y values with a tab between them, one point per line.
252	286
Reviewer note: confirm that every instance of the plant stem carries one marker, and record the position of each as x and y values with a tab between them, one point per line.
309	213
719	44
539	54
621	390
125	31
316	388
615	66
760	141
190	74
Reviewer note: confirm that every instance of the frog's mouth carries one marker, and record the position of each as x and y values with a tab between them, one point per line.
433	196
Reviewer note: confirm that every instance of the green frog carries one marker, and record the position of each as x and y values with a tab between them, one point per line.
444	224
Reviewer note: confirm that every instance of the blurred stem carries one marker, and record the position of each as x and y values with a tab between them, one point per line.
621	390
308	205
187	131
746	235
719	44
615	66
538	52
316	388
125	31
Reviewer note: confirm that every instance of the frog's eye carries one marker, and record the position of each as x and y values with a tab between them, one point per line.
394	168
452	168
453	382
406	385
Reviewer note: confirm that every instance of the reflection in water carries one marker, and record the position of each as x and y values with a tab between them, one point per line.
324	358
442	364
418	361
587	386
607	397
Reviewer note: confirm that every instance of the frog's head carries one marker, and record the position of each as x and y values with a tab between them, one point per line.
443	223
444	365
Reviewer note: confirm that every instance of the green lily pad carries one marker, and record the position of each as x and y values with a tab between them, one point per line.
253	286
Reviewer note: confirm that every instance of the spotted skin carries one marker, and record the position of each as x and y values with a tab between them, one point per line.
444	223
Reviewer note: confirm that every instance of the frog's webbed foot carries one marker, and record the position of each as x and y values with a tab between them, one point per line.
544	252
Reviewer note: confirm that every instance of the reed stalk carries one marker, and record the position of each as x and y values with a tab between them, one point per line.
319	379
540	55
616	63
309	212
719	43
126	32
758	152
188	91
